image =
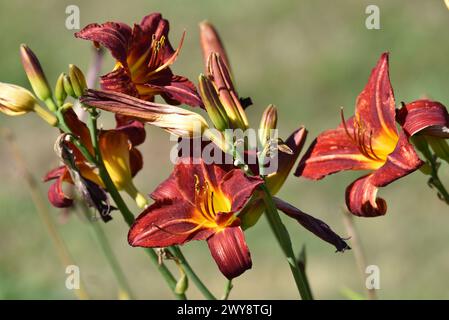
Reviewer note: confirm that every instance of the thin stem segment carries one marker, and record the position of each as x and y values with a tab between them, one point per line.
120	203
228	289
176	251
434	181
284	241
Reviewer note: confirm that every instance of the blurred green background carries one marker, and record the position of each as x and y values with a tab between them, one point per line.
307	57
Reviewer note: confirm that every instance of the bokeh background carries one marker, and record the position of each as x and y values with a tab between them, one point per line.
307	57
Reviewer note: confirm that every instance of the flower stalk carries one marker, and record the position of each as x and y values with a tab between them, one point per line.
228	289
120	203
176	251
129	218
283	238
434	182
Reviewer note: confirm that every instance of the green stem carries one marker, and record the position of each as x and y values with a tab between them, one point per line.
108	252
121	205
176	251
65	128
282	235
284	241
228	289
437	183
431	158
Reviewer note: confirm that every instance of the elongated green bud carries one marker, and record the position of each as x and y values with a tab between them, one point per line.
60	93
68	88
183	284
78	80
35	73
267	123
221	77
212	104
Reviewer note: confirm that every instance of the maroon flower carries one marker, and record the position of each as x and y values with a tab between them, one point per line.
367	141
199	202
117	146
144	55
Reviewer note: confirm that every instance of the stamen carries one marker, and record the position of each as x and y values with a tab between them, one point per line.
359	138
198	226
345	126
371	145
197	183
212	203
157	50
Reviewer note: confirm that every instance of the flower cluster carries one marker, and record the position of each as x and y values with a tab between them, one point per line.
215	201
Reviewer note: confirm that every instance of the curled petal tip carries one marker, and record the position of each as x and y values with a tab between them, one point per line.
424	117
230	252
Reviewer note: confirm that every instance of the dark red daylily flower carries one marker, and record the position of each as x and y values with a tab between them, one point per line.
144	55
199	202
122	160
368	141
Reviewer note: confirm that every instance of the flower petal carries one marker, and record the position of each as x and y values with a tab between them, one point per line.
361	198
151	26
178	90
173	119
361	194
118	81
80	130
314	225
165	224
57	197
230	252
424	116
331	152
55	173
113	35
56	194
135	130
135	161
375	106
239	187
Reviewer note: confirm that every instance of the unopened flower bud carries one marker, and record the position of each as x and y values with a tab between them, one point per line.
60	93
211	42
78	80
212	103
16	101
68	88
267	123
221	77
182	285
35	73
